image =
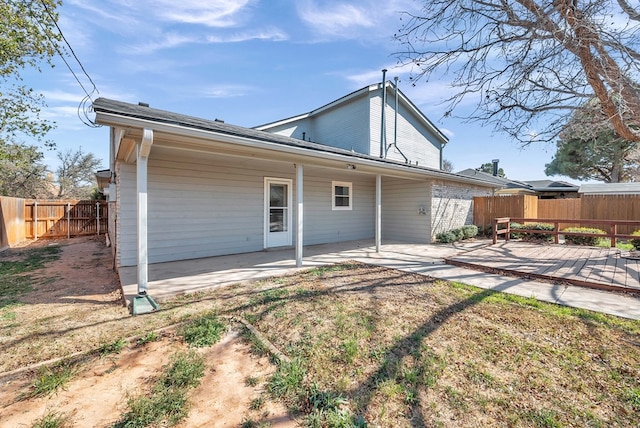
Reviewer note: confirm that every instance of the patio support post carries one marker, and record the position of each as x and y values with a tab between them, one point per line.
300	214
378	212
144	147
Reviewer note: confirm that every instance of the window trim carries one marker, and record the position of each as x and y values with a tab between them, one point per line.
346	184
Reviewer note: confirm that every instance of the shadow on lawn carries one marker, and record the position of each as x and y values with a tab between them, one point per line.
390	368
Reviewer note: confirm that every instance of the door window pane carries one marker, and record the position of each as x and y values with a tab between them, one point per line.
277	220
278	195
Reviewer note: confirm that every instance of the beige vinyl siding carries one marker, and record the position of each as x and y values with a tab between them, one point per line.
294	129
126	235
344	126
401	218
414	139
324	225
202	205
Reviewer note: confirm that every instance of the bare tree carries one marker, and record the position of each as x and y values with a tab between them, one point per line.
529	63
447	165
76	174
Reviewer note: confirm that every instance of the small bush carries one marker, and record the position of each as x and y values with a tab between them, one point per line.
591	241
459	234
636	242
513	226
446	237
470	230
532	236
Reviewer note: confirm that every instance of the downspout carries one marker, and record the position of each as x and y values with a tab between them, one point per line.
395	126
383	139
143	303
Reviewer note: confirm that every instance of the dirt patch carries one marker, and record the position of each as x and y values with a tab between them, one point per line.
366	344
75	307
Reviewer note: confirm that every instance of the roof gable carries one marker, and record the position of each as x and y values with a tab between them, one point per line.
363	92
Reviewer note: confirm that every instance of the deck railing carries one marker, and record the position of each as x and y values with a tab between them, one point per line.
610	226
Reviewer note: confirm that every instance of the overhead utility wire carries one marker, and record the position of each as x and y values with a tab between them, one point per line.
82	107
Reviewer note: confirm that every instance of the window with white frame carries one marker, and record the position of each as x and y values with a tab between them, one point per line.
341	195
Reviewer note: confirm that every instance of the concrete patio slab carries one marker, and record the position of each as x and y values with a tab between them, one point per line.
173	278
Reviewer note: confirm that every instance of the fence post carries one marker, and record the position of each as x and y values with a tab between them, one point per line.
35	220
68	220
97	218
614	230
495	230
556	228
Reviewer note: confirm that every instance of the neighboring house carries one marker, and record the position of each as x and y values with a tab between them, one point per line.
183	188
551	189
610	189
543	189
353	123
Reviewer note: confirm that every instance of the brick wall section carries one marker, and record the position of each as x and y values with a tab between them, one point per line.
452	205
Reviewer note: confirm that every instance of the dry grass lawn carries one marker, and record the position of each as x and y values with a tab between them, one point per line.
368	346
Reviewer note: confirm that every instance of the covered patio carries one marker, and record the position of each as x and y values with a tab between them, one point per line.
188	276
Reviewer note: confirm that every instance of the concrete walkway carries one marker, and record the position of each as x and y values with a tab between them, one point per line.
167	279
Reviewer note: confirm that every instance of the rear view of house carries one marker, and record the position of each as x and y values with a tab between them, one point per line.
185	188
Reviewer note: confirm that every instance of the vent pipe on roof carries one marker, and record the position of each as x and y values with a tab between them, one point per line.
395	126
383	130
141	104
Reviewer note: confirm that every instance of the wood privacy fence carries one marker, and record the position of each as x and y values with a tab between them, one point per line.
587	207
22	219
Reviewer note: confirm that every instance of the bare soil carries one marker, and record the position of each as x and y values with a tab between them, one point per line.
395	349
75	307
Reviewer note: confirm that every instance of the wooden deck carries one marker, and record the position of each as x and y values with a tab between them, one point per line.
603	268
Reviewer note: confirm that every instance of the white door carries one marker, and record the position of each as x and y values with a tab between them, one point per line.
277	206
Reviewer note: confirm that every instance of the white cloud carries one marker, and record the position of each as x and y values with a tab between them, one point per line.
272	34
227	91
61	96
166	41
352	19
449	133
334	19
219	13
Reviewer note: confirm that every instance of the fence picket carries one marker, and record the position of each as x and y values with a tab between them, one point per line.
587	207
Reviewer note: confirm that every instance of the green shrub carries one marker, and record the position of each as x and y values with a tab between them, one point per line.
469	230
458	233
513	226
591	241
446	237
636	242
532	236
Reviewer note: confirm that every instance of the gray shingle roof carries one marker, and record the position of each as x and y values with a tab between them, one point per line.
120	108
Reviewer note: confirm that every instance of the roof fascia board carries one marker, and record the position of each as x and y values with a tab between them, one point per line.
114	119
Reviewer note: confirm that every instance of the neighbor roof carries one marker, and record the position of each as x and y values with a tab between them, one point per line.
107	109
500	181
611	188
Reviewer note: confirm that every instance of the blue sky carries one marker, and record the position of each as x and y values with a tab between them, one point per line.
249	62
